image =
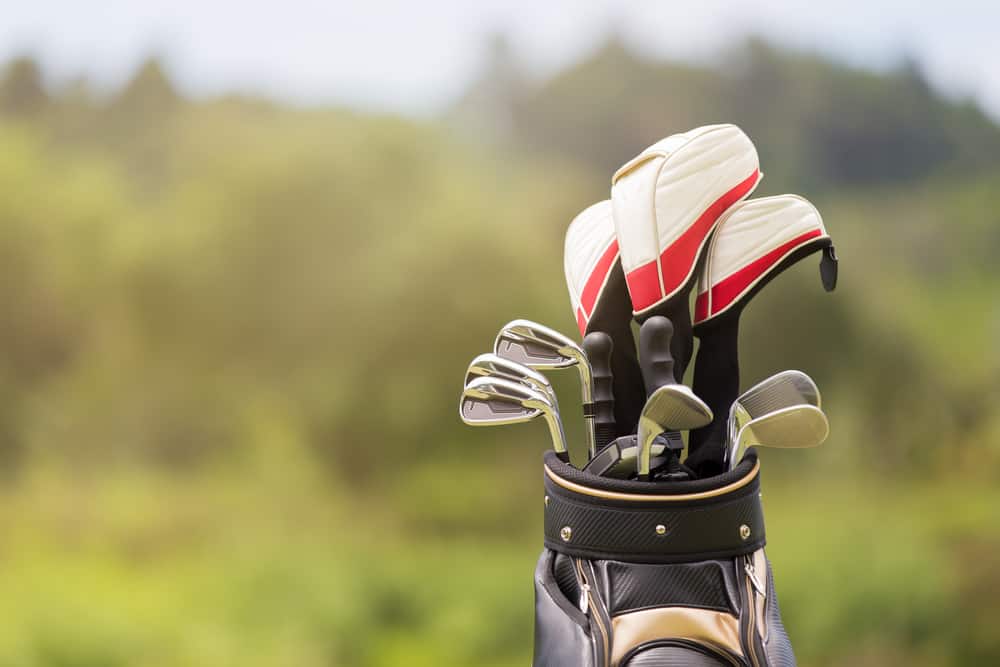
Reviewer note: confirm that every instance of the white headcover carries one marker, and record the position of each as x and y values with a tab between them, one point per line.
668	199
752	240
590	255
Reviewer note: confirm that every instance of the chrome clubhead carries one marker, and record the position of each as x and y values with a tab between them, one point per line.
781	390
796	426
490	364
537	346
542	348
672	407
492	401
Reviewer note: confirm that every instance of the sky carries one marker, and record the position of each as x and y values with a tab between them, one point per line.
416	57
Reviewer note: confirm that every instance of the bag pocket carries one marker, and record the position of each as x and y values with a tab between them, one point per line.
679	653
562	631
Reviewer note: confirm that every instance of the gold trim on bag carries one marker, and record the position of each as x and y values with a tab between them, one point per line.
637	497
704	626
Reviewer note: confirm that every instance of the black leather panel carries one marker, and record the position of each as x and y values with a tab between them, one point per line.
627	530
560	635
778	647
704	585
564	570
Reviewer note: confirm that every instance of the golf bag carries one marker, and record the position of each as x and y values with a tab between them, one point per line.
656	574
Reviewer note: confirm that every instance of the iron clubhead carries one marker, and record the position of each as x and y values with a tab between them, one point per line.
492	401
490	364
781	390
537	346
796	426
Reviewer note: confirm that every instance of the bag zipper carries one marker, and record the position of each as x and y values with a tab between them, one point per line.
588	600
752	587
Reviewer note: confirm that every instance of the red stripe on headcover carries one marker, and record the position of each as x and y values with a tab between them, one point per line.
644	286
676	260
592	288
581	321
701	307
730	288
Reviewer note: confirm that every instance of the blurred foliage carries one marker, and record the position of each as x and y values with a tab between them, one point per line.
234	335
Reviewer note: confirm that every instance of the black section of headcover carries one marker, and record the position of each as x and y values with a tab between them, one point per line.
656	531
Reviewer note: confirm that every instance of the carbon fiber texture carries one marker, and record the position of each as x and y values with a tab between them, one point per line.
598	530
703	585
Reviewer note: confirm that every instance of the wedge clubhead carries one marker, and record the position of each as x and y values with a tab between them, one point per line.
796	426
672	407
781	390
493	401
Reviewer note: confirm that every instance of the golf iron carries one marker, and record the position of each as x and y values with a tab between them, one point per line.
539	347
795	426
489	364
672	407
493	401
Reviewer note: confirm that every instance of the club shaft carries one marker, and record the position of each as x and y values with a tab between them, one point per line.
587	396
558	436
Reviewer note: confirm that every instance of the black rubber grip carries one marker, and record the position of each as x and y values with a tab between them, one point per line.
598	347
655	358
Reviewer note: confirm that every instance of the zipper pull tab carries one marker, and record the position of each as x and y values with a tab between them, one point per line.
584	594
757	585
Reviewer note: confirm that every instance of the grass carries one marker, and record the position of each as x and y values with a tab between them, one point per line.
271	566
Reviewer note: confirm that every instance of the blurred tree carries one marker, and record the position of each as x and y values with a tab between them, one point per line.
22	92
136	123
149	93
817	124
487	110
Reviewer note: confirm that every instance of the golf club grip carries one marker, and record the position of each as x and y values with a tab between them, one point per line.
599	346
655	358
613	315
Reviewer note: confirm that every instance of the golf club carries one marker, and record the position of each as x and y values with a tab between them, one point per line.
755	242
618	459
795	426
600	301
664	217
539	347
492	401
599	347
781	390
671	407
489	364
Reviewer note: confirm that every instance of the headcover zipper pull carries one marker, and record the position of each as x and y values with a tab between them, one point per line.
828	268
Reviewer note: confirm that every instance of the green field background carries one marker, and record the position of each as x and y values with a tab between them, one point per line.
234	333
